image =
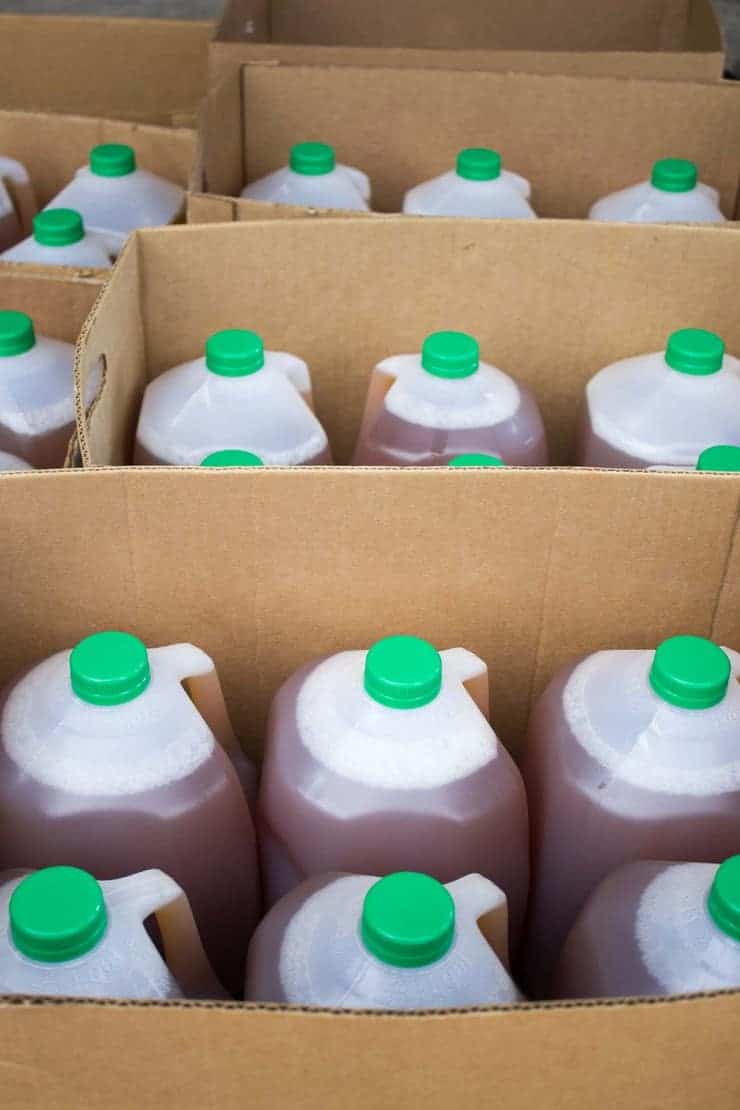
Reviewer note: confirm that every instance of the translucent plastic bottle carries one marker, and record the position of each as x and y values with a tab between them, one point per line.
478	186
314	178
115	197
629	755
60	239
423	410
116	759
404	942
63	933
8	461
238	397
655	928
385	760
17	202
672	195
662	408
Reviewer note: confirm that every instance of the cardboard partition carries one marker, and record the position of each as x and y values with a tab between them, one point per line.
575	138
149	70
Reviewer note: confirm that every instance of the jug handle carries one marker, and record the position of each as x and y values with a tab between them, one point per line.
381	381
472	671
21	192
489	908
297	373
154	892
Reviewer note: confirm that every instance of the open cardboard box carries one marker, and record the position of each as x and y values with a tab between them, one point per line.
648	38
576	138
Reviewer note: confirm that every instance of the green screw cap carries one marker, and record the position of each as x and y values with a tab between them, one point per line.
724	897
112	160
57	914
476	163
109	668
674	175
312	159
450	354
235	353
690	671
694	351
721	457
232	458
476	460
58	227
403	672
408	920
16	334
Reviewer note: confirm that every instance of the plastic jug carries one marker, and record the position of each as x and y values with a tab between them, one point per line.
238	397
629	755
655	928
60	239
423	410
404	942
63	933
314	178
383	760
17	202
115	197
478	186
12	462
115	759
672	195
662	408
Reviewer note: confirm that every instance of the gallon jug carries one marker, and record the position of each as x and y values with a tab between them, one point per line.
36	393
17	202
404	942
115	197
313	178
662	408
672	195
423	410
112	758
655	928
63	933
629	755
238	397
384	760
60	239
12	462
478	186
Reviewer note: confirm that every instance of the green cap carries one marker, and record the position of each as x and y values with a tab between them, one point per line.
694	351
690	671
235	353
232	458
408	919
478	164
721	457
58	227
723	902
109	668
476	460
673	175
403	672
312	159
112	160
57	914
450	354
16	334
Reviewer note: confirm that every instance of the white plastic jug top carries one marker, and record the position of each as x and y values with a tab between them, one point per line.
63	933
399	715
669	405
448	386
401	942
478	186
664	720
60	239
36	394
673	194
238	397
315	178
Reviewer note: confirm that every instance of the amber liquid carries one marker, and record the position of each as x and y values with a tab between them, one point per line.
44	451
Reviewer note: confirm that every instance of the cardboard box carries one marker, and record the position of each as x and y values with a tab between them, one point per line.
629	37
149	70
575	138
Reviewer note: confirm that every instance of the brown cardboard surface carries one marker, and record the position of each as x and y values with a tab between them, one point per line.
137	69
576	138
